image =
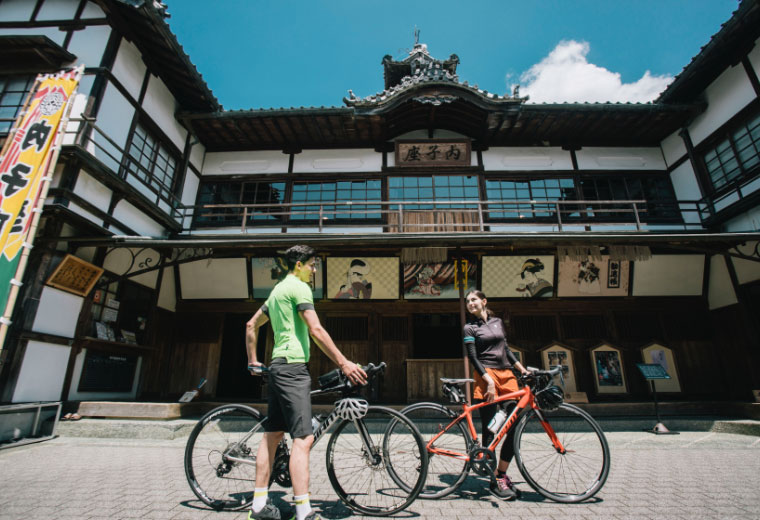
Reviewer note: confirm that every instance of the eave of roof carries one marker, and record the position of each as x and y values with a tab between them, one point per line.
735	38
35	53
142	22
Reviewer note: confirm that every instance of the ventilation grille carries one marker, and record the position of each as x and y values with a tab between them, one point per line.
395	328
534	327
638	325
580	326
347	328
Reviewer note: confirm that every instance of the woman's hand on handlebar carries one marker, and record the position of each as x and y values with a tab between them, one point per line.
354	373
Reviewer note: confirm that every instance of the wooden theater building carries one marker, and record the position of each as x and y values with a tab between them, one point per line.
604	234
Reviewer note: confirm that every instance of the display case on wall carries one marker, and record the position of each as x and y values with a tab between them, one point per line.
558	354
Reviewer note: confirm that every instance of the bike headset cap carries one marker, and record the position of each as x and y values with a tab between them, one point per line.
550	398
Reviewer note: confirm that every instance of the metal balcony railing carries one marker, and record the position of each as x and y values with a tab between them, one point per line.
455	215
85	134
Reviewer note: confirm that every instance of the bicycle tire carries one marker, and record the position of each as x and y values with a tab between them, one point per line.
574	476
215	479
369	482
445	474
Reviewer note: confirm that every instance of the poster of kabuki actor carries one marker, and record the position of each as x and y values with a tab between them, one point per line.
518	276
593	277
429	281
268	271
362	278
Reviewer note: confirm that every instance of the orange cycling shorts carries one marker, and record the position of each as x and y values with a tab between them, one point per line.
503	378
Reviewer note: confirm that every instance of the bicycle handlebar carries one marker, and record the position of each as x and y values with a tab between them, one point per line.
336	381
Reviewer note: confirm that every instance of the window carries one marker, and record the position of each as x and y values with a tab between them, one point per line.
314	194
151	162
436	188
736	155
120	312
13	91
527	190
259	192
661	204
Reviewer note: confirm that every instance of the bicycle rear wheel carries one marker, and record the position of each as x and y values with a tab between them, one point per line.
220	456
445	474
377	464
569	477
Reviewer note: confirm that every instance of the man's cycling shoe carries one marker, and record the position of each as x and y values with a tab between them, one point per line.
501	490
268	512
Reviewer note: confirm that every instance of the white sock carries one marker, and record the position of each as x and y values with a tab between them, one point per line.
259	499
303	506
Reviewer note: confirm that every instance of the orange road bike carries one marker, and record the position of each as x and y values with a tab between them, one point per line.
560	449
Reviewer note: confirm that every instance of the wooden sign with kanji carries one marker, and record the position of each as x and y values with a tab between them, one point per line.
74	275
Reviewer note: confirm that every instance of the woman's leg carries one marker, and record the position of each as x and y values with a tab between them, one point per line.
486	414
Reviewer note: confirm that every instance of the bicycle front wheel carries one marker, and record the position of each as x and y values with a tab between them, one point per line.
445	473
574	475
220	456
377	464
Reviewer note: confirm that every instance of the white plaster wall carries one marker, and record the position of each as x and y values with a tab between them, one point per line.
75	395
161	105
190	189
749	221
57	313
42	372
167	296
725	97
16	10
197	154
93	10
211	279
669	275
673	148
57	10
685	182
526	158
93	192
136	220
77	108
754	57
593	158
114	118
228	163
129	68
746	270
51	32
121	261
720	291
310	161
86	253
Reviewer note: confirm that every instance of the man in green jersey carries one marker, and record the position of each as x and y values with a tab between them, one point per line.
290	308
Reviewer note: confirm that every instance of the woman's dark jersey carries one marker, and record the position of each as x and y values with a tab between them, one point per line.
486	344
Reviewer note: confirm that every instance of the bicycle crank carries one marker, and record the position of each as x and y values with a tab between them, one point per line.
483	461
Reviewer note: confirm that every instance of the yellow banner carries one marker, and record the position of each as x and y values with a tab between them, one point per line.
27	158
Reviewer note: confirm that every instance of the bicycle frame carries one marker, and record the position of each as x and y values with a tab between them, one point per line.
524	398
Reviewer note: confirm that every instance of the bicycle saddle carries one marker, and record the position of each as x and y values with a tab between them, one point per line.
447	381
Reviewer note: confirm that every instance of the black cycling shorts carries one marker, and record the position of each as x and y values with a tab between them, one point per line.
289	398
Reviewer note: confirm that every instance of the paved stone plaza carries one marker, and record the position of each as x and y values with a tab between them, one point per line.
694	475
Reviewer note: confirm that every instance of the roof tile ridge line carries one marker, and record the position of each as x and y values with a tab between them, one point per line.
158	20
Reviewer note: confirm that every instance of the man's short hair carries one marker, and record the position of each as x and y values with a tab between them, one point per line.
300	253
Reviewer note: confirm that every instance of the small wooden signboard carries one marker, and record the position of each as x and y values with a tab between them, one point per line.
652	371
74	275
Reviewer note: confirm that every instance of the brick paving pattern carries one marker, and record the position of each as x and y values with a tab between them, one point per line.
694	475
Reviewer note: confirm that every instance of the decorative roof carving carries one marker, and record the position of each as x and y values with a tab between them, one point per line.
420	68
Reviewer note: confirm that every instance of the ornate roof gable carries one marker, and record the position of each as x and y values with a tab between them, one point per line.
421	69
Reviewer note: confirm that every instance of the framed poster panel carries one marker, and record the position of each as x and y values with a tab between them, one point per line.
557	354
362	278
518	276
267	271
607	363
591	277
438	281
663	356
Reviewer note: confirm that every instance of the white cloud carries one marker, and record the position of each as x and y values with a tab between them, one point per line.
566	75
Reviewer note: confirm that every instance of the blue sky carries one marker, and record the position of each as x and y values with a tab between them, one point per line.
262	54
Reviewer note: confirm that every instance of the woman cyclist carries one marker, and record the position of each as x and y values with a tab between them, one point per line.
489	354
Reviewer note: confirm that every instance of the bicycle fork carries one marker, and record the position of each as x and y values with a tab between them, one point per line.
550	432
